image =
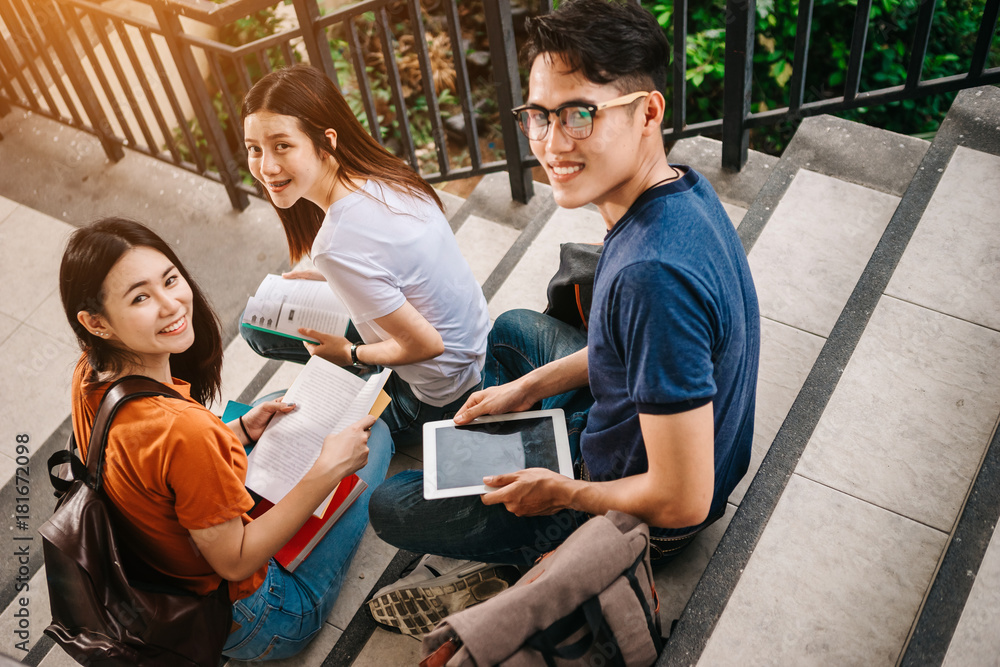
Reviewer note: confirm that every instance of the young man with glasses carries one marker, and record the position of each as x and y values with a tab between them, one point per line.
669	361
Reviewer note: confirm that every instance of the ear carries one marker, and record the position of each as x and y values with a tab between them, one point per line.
654	108
95	324
331	136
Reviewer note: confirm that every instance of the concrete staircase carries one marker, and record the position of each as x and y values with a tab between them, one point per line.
857	535
839	537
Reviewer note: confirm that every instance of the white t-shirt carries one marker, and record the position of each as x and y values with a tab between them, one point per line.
376	256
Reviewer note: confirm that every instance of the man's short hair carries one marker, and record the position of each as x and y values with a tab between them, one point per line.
608	41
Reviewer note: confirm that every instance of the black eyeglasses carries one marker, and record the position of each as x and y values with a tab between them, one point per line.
577	119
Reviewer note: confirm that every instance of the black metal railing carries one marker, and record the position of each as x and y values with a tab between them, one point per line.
738	120
164	82
167	86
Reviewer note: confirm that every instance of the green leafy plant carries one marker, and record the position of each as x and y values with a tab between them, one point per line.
890	35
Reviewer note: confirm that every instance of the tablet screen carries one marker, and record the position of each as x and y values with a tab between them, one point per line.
466	454
457	458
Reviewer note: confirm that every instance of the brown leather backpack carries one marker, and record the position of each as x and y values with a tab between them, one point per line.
108	607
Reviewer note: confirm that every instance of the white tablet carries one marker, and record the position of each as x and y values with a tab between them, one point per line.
456	458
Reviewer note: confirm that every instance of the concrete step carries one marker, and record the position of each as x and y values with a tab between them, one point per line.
975	640
840	534
960	612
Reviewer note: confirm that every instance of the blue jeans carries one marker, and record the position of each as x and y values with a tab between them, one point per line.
405	415
283	615
521	340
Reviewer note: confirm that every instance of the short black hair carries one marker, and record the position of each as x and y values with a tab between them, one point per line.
609	41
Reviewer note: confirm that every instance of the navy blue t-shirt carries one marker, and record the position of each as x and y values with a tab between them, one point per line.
674	324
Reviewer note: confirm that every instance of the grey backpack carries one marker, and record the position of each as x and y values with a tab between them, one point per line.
591	601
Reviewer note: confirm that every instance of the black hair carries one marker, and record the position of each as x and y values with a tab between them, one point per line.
91	253
608	41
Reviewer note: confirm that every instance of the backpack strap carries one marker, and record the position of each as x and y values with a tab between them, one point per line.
121	391
61	457
589	616
652	615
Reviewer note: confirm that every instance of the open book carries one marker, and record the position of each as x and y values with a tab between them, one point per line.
283	305
328	400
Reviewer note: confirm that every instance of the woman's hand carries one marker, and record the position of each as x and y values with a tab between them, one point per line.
304	274
335	349
236	550
259	416
347	449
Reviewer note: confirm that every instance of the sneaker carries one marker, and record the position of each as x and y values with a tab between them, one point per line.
436	587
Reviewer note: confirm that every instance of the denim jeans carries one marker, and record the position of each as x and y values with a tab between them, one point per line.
283	615
521	340
405	415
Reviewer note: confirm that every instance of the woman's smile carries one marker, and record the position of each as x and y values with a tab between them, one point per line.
284	160
176	327
148	306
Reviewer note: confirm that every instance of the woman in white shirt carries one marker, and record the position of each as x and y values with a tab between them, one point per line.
376	232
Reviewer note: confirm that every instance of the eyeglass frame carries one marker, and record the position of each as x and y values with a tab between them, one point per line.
592	108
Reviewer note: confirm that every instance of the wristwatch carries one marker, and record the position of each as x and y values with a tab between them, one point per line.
354	356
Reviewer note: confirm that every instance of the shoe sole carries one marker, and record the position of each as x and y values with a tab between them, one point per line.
415	610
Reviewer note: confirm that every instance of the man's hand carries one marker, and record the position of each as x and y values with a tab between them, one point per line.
510	397
555	377
335	349
530	492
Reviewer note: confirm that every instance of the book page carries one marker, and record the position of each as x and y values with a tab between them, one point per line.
261	313
287	319
301	292
284	305
364	401
326	398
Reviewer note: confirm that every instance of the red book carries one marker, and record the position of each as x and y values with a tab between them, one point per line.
301	545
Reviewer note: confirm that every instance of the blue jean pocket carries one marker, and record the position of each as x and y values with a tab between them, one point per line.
252	633
270	647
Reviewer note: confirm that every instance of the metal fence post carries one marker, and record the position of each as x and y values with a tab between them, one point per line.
307	12
737	87
78	80
507	78
203	109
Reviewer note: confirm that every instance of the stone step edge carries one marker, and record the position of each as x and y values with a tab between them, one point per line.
949	591
724	569
947	595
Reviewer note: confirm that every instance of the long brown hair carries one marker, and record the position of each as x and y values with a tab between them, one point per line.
90	254
308	95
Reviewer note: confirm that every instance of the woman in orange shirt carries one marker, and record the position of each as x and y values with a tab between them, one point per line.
174	472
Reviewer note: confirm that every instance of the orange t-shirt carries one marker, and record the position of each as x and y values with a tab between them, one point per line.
170	466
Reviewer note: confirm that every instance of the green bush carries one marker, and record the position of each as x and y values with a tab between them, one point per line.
887	51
